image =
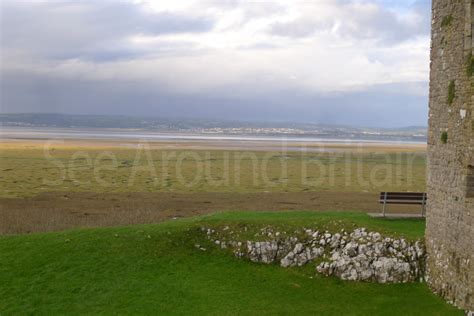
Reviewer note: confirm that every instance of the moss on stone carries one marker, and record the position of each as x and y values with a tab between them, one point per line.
447	20
451	92
444	137
470	65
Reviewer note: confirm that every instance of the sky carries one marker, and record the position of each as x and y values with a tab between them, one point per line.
351	62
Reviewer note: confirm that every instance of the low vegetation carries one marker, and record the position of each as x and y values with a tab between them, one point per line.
31	170
447	20
451	92
158	269
444	137
470	65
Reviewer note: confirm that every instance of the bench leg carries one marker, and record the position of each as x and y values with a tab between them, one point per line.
423	206
383	209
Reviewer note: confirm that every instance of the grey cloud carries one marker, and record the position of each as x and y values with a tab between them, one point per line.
250	9
98	31
123	51
260	46
299	28
377	106
382	25
259	9
82	28
386	27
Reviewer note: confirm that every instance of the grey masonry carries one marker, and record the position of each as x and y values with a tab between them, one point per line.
450	209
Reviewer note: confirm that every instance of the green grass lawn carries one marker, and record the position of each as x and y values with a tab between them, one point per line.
157	269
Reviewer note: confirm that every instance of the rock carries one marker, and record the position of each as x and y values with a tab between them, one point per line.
379	262
298	248
351	249
265	251
355	256
376	236
300	255
287	261
391	270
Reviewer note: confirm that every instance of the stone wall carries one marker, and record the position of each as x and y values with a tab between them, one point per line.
359	255
450	211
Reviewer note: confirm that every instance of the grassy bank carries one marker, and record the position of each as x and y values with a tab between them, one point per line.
156	269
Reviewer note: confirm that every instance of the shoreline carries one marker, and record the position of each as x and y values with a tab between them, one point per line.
126	138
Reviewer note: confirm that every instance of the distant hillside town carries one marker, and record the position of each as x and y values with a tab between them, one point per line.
212	127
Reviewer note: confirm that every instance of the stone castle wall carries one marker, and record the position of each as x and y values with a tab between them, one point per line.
450	211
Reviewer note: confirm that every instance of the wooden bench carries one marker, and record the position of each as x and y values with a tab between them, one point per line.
418	198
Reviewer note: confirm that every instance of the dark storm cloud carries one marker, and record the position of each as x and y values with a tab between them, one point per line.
378	106
83	28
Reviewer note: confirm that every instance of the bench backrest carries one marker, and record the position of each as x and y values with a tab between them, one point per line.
403	197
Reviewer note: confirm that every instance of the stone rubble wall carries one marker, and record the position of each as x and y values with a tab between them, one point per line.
355	256
450	209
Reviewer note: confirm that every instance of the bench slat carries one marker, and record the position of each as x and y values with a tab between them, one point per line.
401	202
418	198
401	193
403	198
